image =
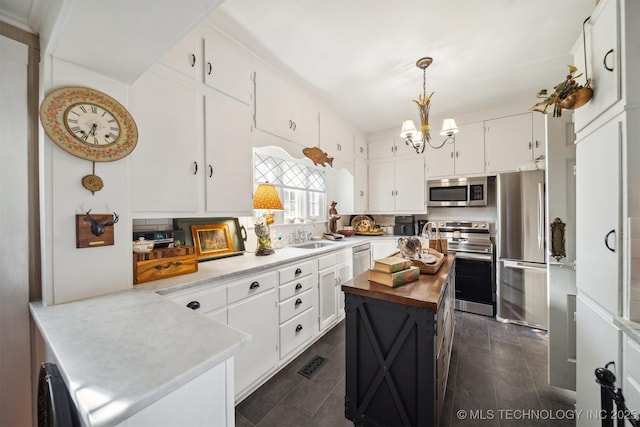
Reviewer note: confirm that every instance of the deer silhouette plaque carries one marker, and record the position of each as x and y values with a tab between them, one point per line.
94	230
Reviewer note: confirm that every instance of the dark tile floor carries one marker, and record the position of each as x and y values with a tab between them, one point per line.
497	377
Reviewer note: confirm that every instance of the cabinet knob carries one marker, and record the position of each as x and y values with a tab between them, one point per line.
361	193
254	285
209	68
192	57
604	60
361	150
537	143
529	145
195	168
457	154
298	302
298	271
210	171
298	328
298	286
193	305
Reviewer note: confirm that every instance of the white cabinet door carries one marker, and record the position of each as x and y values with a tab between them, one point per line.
598	216
282	110
360	145
603	62
327	280
410	185
631	373
469	149
593	353
336	137
229	157
383	148
540	135
381	186
227	66
440	162
186	56
344	273
361	188
165	164
258	317
509	142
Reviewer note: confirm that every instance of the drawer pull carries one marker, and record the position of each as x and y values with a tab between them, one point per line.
193	305
298	302
298	328
254	285
160	267
298	271
193	60
604	61
298	286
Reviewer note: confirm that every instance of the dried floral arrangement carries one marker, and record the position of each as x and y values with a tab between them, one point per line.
568	94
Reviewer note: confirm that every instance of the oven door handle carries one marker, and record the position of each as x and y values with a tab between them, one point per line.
473	256
523	265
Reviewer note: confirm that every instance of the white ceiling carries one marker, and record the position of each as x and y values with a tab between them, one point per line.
360	55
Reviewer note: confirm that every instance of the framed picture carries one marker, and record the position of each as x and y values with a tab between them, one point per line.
211	240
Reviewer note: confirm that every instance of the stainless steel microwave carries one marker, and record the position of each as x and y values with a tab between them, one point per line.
457	192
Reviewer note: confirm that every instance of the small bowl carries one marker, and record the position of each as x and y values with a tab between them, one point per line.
347	233
142	246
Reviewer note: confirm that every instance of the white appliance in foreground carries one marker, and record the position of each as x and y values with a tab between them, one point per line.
522	268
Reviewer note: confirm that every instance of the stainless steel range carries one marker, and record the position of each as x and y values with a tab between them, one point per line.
475	264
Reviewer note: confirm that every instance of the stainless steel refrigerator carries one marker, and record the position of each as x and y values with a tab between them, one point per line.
522	269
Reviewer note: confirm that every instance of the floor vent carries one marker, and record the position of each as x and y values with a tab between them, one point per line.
312	366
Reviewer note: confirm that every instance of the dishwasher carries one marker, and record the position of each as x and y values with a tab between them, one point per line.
361	258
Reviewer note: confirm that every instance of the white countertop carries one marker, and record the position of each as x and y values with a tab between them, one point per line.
121	352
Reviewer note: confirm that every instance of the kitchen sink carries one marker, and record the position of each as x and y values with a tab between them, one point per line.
312	245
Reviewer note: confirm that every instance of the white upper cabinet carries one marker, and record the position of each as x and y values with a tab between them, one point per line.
336	136
228	155
165	164
360	145
510	141
603	61
464	157
208	57
186	56
227	66
283	110
397	186
387	147
361	189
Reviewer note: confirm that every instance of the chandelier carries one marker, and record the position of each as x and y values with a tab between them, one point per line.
418	140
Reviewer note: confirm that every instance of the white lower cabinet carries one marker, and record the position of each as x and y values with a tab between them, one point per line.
631	374
253	310
284	310
333	270
205	401
598	342
297	305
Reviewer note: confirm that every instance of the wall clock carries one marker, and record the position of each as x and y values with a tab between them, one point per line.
88	124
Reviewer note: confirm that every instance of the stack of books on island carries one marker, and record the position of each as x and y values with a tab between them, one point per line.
393	271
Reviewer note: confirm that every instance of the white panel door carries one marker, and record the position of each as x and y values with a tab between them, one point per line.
327	280
598	342
229	157
469	149
381	187
166	167
410	185
258	317
598	223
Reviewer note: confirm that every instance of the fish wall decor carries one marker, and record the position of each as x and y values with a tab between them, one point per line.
317	156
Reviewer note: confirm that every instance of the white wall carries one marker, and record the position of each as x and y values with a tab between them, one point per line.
70	273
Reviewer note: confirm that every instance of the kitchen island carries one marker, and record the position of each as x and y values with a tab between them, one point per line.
398	348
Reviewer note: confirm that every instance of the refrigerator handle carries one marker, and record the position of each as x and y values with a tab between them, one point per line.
540	216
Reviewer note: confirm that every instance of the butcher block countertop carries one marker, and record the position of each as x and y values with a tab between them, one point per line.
425	292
